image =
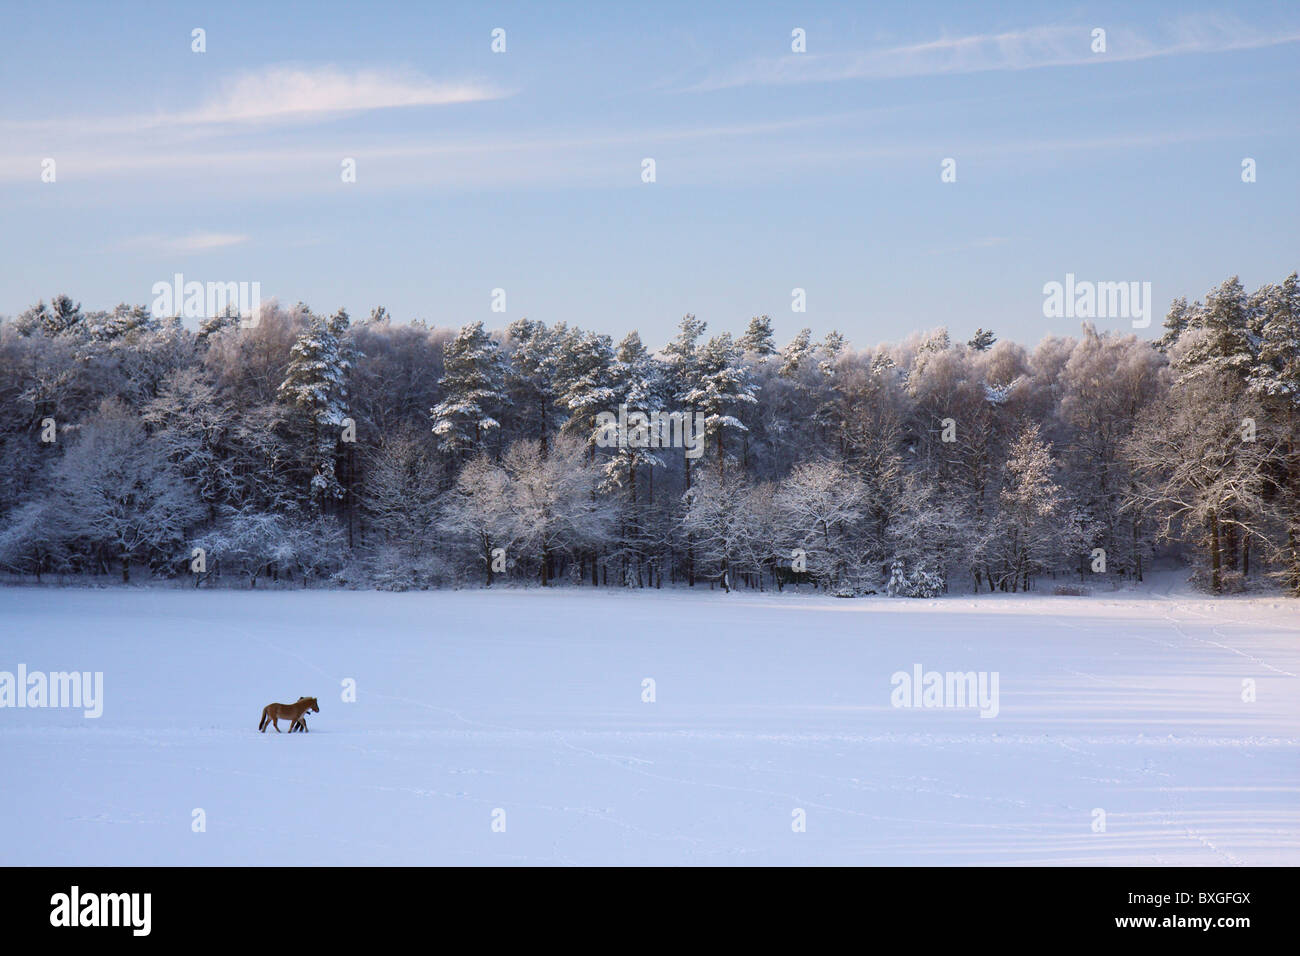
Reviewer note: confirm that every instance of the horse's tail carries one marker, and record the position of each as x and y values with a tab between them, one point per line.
265	720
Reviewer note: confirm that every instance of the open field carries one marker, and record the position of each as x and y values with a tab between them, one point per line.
531	702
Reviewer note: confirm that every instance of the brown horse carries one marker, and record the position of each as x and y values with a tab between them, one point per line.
272	713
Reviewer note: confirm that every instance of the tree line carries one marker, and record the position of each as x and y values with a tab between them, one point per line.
308	448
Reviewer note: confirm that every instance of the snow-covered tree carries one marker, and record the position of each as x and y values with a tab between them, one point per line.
680	352
831	349
796	353
910	457
401	504
723	525
1196	478
638	384
124	499
819	508
584	381
1176	322
757	340
255	545
532	377
191	421
400	495
475	512
63	317
1217	340
315	390
1275	311
721	386
1028	526
36	538
550	506
1105	386
124	322
397	383
1275	382
473	385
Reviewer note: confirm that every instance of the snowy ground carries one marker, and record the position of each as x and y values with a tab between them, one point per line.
530	701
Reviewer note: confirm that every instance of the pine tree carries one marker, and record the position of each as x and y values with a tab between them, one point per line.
31	321
757	340
1176	320
1277	367
982	340
315	388
315	379
638	385
681	350
832	349
61	316
936	341
721	385
1217	340
473	385
1218	345
531	376
64	316
584	382
1275	379
682	354
796	353
124	322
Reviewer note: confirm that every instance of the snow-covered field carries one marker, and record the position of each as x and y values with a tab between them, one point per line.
531	702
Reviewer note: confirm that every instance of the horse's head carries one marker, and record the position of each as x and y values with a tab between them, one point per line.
311	704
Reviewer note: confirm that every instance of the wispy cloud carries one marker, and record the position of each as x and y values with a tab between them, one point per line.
480	156
281	93
197	242
1026	49
712	153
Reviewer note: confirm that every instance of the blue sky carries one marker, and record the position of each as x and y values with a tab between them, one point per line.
774	170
